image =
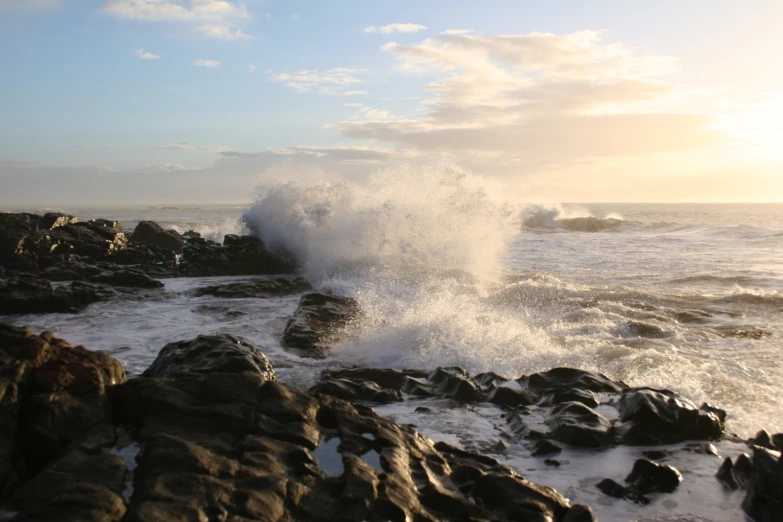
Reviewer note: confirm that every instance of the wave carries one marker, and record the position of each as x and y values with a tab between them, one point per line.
753	297
711	278
555	217
214	230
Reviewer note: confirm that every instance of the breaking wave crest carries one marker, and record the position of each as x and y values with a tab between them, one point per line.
555	217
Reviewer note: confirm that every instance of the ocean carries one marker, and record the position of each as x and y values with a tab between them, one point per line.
687	297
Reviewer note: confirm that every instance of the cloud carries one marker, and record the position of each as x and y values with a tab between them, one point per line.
209	64
333	82
456	32
394	28
536	99
144	55
222	32
295	17
220	19
190	147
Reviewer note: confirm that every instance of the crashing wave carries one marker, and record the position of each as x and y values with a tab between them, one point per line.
555	217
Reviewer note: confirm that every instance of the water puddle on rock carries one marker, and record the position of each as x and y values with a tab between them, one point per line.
329	459
374	460
128	454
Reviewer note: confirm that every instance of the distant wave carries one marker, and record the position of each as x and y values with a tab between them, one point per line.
710	278
555	217
757	297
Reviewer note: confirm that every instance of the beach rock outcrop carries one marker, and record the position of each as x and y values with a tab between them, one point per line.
238	255
762	477
28	294
316	320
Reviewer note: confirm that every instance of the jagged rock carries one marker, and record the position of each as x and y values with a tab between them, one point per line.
238	255
27	294
764	440
454	383
650	477
51	394
152	234
586	397
545	447
127	278
613	489
270	287
386	378
348	390
213	354
513	397
575	424
660	417
52	220
570	379
764	498
725	474
316	318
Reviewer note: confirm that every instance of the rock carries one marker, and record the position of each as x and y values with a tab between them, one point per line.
316	319
570	379
656	454
660	417
233	445
454	383
742	471
545	447
127	278
613	489
575	424
650	477
586	397
777	440
513	397
763	501
348	390
725	474
221	353
270	287
152	234
238	255
52	220
646	330
764	440
28	294
386	378
51	394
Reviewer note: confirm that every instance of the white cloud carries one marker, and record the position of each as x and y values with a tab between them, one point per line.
189	147
394	28
219	19
333	82
295	17
456	32
209	64
144	55
534	99
222	32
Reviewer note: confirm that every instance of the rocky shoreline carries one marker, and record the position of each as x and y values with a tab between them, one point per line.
208	433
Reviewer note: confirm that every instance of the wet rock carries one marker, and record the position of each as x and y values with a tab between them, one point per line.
586	397
575	424
613	489
742	470
571	378
386	378
545	447
660	417
221	353
28	294
51	394
693	317
152	234
650	477
238	255
646	330
764	498
512	397
454	383
656	454
316	319
127	278
348	390
489	379
271	287
725	474
764	440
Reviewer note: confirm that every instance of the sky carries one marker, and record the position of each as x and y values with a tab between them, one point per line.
201	101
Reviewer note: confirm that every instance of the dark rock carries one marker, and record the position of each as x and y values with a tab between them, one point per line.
513	397
701	448
127	278
454	383
660	417
489	379
742	471
238	255
271	287
655	454
386	378
575	424
553	462
650	477
152	234
316	320
777	440
692	316
213	354
613	489
545	447
586	397
646	330
570	378
764	440
422	409
52	220
725	474
763	501
349	390
28	294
